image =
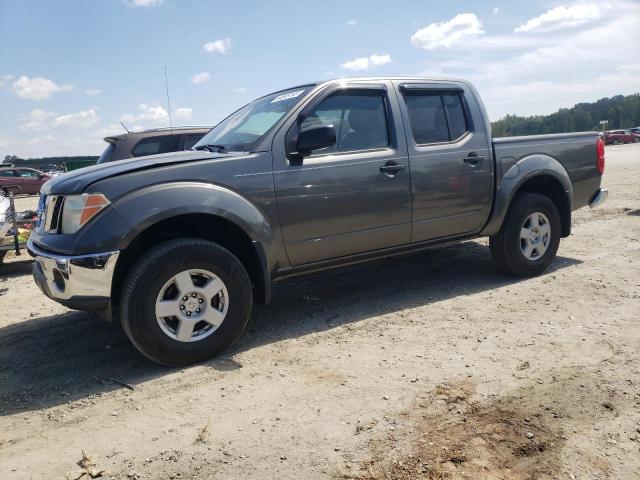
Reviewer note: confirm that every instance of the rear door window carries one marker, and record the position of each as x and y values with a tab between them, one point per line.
435	117
7	173
155	145
456	118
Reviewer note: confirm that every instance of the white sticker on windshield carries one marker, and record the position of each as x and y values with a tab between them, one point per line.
287	96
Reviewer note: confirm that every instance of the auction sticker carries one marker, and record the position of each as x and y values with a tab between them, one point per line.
287	96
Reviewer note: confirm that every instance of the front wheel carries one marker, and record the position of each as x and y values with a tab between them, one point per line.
529	238
185	301
636	140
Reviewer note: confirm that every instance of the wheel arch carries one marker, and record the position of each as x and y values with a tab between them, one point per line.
196	210
204	226
536	174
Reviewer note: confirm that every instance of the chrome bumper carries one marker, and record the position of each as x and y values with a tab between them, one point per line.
600	196
82	282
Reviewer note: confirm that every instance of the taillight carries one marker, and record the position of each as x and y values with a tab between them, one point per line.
600	152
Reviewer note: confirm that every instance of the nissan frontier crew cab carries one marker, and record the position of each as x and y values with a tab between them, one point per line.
178	246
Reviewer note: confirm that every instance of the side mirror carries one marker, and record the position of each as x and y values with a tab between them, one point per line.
314	138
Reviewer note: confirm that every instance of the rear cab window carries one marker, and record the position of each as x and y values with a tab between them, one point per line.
436	117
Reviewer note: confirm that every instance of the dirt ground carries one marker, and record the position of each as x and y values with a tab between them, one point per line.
429	366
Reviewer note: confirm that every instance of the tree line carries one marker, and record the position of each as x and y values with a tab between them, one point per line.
620	111
45	161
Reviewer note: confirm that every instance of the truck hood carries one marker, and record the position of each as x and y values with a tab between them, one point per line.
77	180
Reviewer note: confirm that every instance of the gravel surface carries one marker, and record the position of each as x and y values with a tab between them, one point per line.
431	366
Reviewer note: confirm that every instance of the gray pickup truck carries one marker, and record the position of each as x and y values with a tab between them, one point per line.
178	246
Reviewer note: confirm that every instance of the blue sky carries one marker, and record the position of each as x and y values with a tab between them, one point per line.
70	71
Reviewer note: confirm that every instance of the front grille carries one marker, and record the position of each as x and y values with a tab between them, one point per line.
53	213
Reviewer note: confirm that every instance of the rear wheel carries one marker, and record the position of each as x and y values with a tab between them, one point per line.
636	140
529	238
616	141
185	301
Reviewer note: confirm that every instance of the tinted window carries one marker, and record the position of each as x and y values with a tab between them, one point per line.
427	118
360	121
7	173
106	155
191	140
436	118
153	145
28	173
456	117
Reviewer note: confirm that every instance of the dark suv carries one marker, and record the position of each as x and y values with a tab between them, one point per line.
151	142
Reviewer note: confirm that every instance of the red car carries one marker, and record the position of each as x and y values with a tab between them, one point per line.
29	179
616	137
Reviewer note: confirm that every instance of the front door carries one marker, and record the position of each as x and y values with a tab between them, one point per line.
352	197
451	164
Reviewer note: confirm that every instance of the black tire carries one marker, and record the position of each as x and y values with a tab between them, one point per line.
2	254
505	245
148	276
616	141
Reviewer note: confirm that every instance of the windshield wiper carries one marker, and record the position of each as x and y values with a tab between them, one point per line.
212	148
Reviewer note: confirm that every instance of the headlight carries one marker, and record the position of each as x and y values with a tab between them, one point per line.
79	209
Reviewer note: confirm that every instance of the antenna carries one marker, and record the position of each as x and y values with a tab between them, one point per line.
125	127
166	85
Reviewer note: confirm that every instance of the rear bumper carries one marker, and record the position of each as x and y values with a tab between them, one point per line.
81	282
599	197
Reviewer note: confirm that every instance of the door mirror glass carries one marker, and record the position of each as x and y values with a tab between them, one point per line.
321	136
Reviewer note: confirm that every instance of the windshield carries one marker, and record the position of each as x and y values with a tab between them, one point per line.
243	129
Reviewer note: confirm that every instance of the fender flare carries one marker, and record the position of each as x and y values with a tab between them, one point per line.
150	205
524	170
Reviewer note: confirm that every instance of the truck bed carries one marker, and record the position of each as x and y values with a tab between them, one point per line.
576	152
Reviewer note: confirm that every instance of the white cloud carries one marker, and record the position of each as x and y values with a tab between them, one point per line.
563	17
38	120
496	10
365	63
93	91
222	45
143	3
445	34
148	114
352	23
538	74
183	112
37	88
86	118
200	78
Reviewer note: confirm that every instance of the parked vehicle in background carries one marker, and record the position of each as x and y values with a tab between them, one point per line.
178	246
617	137
635	130
151	142
28	179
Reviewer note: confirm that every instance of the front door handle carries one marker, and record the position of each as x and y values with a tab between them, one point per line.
391	168
473	159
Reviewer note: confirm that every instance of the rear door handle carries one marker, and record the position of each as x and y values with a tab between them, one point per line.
473	159
391	168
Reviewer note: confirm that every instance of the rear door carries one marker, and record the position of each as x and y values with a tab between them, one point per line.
355	196
451	164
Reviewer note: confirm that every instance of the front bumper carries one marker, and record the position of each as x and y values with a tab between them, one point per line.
599	197
81	282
